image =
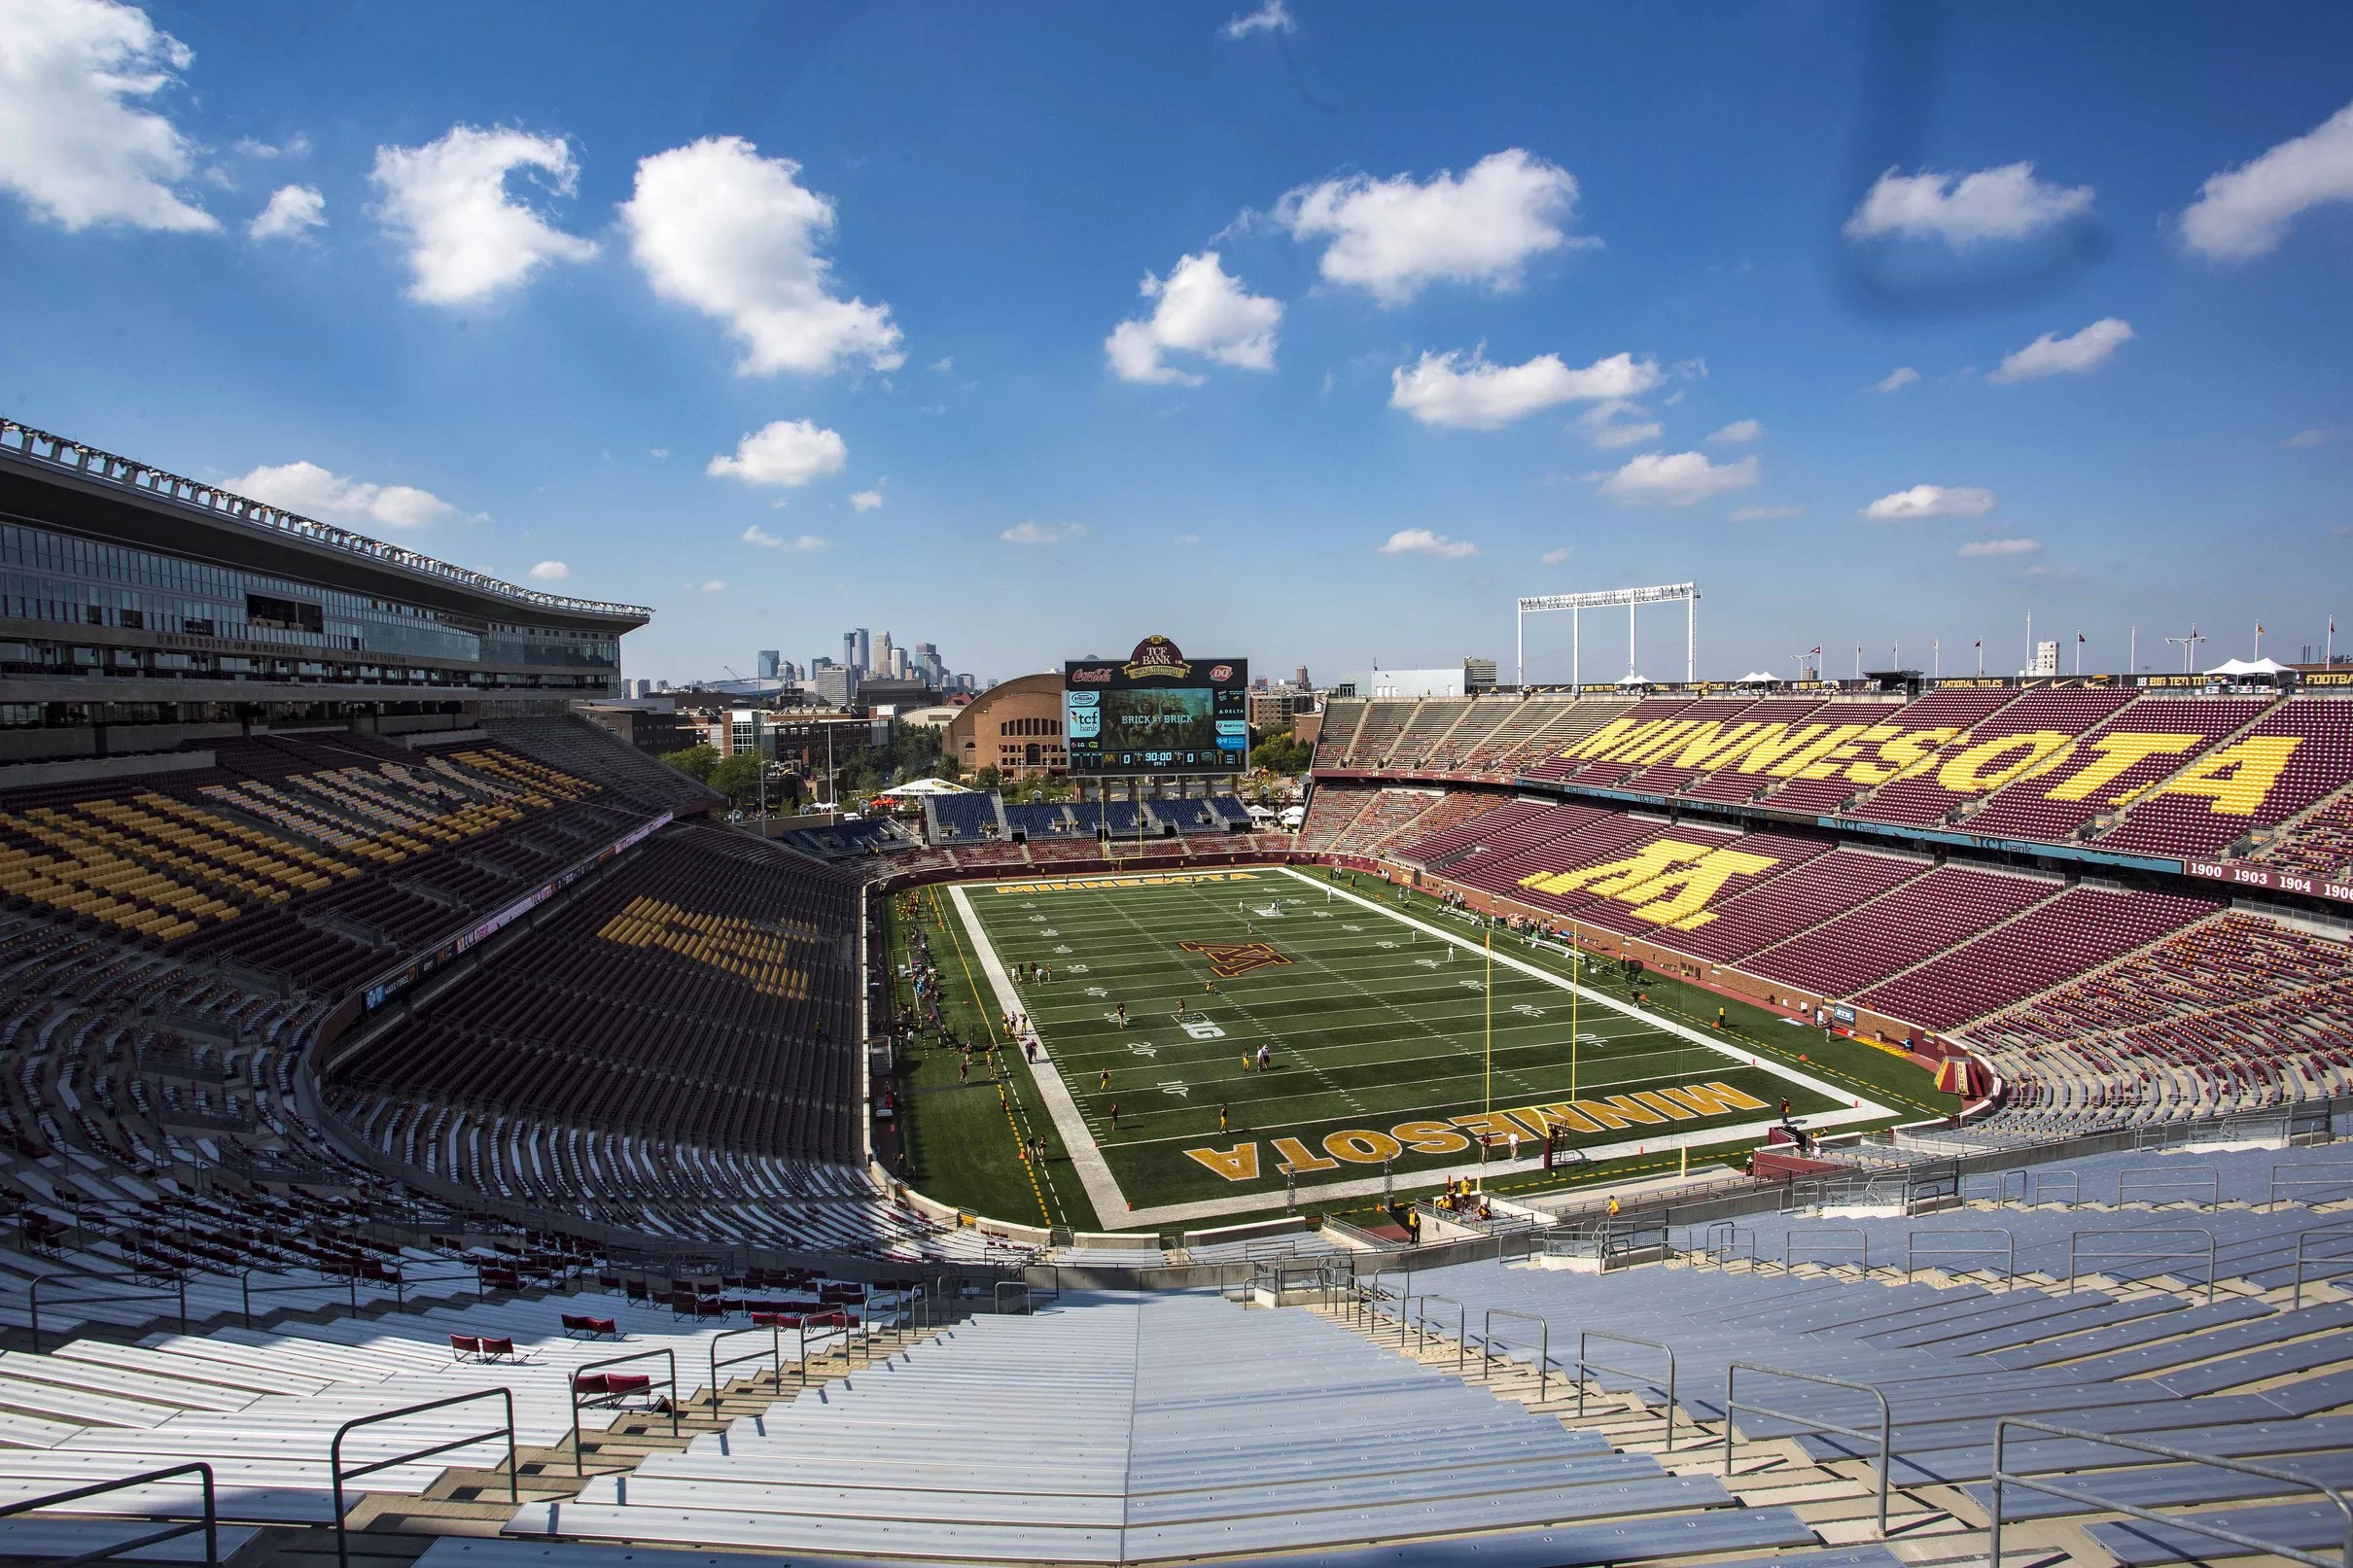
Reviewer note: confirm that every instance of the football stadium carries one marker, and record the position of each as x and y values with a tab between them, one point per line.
468	1103
1704	1122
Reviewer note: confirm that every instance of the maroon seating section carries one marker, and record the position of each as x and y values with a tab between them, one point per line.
1788	853
572	1027
2319	845
2024	809
1917	920
2188	826
1819	890
1921	798
2081	928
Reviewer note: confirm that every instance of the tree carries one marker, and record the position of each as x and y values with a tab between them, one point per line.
696	762
737	778
987	778
1283	753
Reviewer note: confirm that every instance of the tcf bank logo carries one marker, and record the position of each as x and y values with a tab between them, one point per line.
1220	674
1100	676
1156	658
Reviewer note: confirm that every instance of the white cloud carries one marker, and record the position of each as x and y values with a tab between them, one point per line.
1272	18
2004	203
1422	541
1041	533
1462	393
2308	437
714	225
709	586
1186	538
756	535
805	543
292	209
2244	213
1675	480
2053	354
74	144
314	492
1602	428
1555	557
868	500
1199	309
1979	548
1762	514
1896	380
657	451
1391	237
549	572
786	452
1931	501
296	146
1737	432
467	237
945	363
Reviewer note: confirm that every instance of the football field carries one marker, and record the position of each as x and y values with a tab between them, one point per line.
1396	1045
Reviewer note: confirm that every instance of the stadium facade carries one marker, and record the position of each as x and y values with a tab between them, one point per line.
140	609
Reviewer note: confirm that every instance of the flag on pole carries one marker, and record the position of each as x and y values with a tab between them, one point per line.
1816	649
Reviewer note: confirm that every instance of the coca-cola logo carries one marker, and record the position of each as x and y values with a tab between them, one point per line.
1091	677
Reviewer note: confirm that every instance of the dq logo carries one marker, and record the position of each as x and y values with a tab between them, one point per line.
1230	958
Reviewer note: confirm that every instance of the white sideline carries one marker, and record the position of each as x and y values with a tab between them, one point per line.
1103	1189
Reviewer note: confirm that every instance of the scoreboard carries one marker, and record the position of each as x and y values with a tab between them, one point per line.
1156	712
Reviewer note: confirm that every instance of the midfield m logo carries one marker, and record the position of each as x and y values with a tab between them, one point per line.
1230	958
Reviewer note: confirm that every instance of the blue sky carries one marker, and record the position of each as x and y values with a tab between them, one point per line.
564	287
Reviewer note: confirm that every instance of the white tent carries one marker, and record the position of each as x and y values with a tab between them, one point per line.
917	787
2236	667
1633	681
1759	677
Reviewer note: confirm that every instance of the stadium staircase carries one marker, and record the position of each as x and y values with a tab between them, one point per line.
1981	1315
263	1407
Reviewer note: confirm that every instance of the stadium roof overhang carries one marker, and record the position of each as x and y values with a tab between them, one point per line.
49	481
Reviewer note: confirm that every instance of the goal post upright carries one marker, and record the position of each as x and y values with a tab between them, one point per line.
1687	594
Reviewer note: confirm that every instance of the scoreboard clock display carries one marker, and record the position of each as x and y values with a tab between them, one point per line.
1156	712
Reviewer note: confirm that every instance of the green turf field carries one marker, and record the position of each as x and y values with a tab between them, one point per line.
1379	1018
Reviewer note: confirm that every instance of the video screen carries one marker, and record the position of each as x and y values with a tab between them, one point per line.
1157	712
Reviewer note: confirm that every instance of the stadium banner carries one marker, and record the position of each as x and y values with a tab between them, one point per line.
1156	712
2271	879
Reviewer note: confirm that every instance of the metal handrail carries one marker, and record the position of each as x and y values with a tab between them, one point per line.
996	1297
776	1356
210	1523
2209	1177
2003	1477
2343	1178
1461	1327
1913	1252
1885	1432
596	1401
2075	1239
1544	1345
136	1293
1789	1242
247	1290
1586	1364
2303	1242
339	1475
